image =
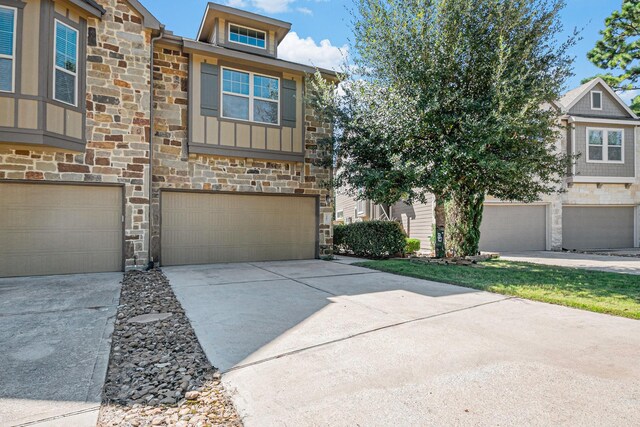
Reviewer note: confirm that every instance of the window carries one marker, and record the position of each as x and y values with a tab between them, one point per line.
360	207
605	145
247	36
596	100
250	96
7	48
65	65
340	215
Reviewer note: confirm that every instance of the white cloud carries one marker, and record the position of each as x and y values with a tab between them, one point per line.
629	95
237	3
272	6
306	51
305	10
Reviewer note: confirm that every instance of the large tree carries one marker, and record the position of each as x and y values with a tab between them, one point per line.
453	98
618	51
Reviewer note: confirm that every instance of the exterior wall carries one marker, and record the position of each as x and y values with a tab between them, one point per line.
34	117
174	168
117	96
347	205
585	168
610	106
417	220
241	135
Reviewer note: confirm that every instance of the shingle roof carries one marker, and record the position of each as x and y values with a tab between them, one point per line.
568	98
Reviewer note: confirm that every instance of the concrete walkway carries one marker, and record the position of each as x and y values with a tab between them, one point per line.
613	264
54	347
308	343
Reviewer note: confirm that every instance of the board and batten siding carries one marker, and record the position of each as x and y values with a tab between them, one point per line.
210	130
30	115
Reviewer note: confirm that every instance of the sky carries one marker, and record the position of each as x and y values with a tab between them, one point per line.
321	29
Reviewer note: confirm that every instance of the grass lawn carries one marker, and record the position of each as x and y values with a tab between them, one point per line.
597	291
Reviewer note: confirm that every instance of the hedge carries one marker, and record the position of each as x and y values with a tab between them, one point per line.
370	239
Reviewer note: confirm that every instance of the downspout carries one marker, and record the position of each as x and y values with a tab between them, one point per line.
150	264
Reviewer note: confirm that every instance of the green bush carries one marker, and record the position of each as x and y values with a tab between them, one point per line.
370	239
412	246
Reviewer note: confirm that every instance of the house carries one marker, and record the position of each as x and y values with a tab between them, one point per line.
104	165
599	207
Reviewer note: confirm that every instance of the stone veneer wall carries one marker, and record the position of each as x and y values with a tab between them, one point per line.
117	123
174	168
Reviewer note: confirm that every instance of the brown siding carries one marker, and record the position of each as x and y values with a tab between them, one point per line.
610	106
417	220
584	168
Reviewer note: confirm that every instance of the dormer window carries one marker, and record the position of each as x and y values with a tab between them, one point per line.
596	100
247	36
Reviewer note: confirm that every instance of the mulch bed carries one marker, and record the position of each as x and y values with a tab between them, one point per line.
158	373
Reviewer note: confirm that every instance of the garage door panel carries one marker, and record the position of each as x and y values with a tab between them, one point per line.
59	229
200	228
597	227
514	228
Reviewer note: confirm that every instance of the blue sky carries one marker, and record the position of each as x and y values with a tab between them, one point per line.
322	27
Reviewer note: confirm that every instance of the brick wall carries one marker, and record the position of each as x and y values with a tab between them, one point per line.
117	122
175	168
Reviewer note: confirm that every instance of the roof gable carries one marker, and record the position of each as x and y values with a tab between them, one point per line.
577	96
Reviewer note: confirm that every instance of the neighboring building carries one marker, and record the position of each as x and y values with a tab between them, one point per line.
234	177
599	208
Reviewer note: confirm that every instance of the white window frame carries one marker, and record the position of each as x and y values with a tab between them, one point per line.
266	36
12	57
251	96
359	204
340	214
601	100
605	145
55	67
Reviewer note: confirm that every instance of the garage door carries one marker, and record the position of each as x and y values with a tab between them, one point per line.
603	227
514	228
59	229
203	228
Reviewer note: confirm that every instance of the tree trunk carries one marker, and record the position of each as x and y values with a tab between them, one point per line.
464	216
440	214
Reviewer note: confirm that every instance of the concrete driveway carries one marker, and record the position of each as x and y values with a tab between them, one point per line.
54	347
306	343
609	263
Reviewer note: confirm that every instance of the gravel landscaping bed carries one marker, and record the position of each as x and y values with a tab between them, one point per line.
158	373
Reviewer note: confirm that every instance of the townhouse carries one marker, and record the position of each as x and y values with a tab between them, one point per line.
122	143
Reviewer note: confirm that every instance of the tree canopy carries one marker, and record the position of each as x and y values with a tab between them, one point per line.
618	51
454	98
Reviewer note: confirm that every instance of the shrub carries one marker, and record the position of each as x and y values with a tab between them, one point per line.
412	246
370	239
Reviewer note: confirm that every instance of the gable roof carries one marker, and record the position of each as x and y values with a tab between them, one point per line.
572	97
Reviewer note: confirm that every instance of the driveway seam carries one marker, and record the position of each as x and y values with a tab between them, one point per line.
295	280
58	417
244	282
64	310
393	325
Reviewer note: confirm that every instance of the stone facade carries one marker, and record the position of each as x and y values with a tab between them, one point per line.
117	134
116	128
174	167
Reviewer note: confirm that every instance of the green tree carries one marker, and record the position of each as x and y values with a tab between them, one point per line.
453	98
618	51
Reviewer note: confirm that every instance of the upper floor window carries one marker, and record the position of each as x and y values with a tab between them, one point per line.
250	96
605	145
596	100
247	36
65	66
8	16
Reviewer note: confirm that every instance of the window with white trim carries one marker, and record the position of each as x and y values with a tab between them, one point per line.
247	36
250	96
65	64
596	100
360	207
605	145
340	215
8	19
